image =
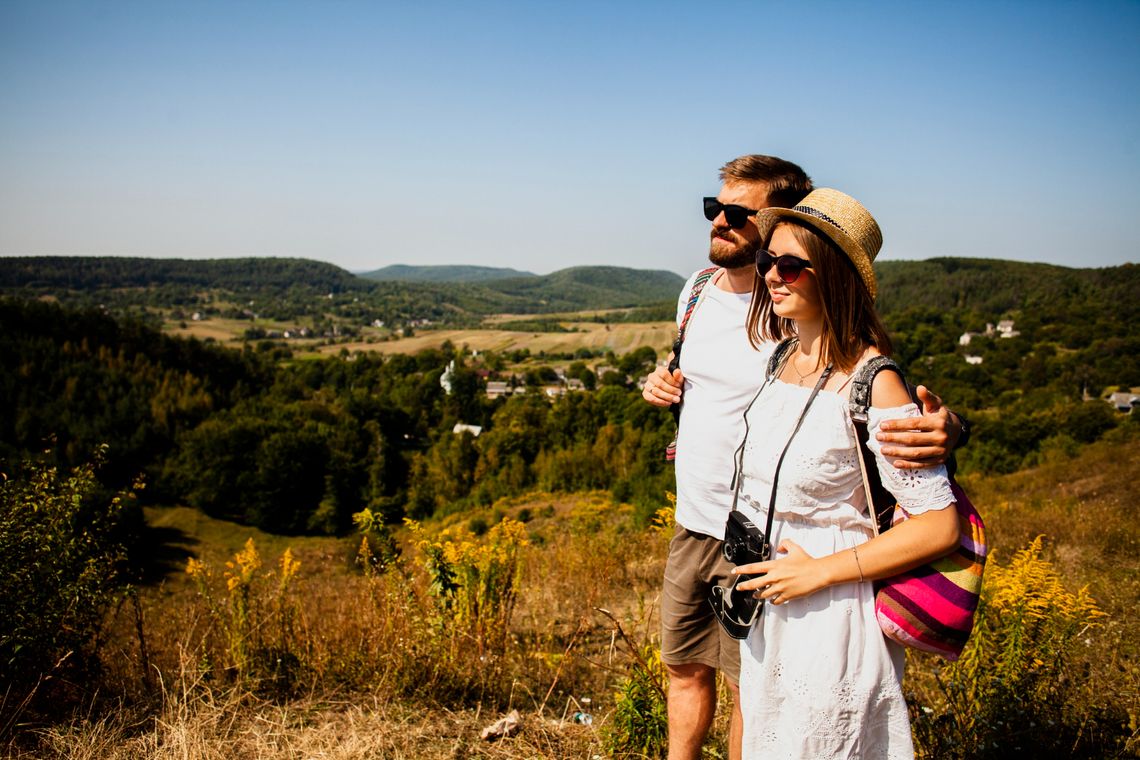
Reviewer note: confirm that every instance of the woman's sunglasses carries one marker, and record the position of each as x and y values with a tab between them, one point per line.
788	267
736	216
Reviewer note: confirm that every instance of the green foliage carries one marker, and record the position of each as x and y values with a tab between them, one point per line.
59	550
1018	675
638	724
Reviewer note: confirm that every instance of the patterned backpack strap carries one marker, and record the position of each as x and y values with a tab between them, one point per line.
699	283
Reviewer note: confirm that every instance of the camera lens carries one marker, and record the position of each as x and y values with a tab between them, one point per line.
730	550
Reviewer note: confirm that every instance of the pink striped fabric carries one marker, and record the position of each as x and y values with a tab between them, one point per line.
932	607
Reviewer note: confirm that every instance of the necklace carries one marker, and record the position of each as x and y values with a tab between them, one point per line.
802	375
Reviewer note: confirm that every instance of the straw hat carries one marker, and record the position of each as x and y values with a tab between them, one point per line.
842	219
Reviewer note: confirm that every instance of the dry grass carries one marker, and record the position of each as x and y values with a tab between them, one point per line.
371	680
227	726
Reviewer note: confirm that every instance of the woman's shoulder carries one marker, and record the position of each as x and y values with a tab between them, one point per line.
888	390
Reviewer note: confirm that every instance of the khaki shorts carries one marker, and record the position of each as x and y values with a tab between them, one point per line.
689	631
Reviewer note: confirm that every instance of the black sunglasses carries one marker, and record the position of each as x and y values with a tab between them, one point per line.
736	216
788	266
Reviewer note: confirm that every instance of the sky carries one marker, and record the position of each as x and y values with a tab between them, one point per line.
541	135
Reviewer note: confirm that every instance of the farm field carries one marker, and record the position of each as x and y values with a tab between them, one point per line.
619	338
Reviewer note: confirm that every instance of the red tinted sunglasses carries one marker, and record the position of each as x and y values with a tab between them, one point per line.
788	267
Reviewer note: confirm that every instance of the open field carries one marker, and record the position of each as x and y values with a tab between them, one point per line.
619	338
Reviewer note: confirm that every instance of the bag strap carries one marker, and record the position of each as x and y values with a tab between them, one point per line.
695	298
880	502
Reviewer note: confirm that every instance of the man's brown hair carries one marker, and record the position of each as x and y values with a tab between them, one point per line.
787	183
850	322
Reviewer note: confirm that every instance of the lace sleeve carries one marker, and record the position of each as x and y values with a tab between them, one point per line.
917	491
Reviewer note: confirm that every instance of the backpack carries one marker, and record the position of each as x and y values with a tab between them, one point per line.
930	607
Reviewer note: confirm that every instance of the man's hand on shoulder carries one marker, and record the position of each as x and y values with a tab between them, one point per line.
923	442
663	388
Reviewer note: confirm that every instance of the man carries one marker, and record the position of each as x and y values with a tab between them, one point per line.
719	374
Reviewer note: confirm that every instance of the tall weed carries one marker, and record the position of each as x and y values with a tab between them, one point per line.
251	637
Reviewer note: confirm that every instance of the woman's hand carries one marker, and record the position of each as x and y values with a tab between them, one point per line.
796	575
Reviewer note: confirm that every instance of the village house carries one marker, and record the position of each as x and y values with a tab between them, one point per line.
1124	402
497	388
1005	329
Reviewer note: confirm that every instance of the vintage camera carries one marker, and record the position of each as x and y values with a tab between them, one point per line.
744	543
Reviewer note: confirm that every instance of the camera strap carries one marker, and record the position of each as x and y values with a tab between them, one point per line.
783	351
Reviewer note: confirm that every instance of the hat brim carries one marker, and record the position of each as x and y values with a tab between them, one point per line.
769	217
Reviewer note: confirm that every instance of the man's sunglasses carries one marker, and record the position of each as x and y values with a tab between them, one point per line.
736	216
787	266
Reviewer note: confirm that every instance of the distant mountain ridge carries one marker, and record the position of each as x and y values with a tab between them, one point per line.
86	273
442	273
295	285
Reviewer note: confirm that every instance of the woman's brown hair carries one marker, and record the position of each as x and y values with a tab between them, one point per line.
850	322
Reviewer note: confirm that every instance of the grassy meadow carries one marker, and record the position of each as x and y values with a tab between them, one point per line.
408	646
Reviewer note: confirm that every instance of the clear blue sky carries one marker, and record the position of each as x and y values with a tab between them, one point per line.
541	135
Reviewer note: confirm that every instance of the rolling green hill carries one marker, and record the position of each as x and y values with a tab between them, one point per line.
994	287
291	288
457	273
95	273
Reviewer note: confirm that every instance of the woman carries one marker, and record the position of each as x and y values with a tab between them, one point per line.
818	680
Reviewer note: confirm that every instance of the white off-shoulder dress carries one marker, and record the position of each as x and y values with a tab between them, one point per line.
818	679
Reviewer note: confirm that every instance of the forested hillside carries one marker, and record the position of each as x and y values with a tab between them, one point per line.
321	294
453	273
300	446
62	274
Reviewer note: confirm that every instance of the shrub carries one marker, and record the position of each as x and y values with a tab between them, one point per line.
58	558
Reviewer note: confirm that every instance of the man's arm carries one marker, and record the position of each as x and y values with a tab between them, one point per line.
923	442
662	387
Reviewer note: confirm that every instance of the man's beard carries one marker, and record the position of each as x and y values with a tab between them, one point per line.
743	254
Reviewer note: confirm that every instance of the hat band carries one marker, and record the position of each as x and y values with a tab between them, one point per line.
819	215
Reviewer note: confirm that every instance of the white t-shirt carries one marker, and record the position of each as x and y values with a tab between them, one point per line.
722	373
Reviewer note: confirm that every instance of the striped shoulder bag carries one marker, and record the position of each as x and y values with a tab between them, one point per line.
932	606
